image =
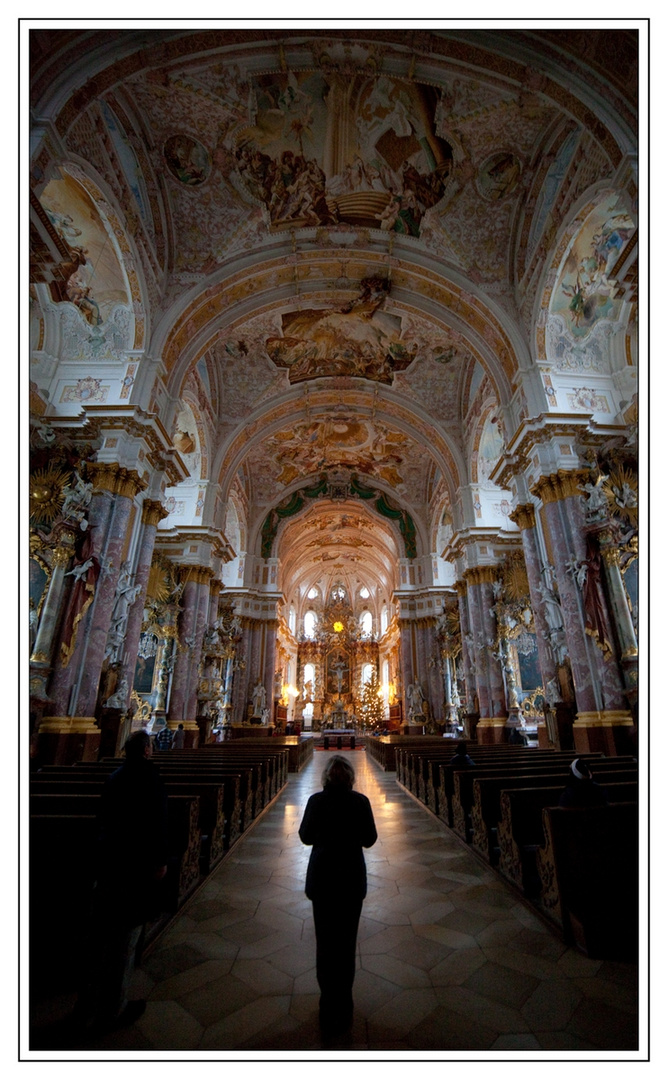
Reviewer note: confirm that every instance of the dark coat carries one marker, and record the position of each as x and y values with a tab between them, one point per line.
582	793
132	839
338	822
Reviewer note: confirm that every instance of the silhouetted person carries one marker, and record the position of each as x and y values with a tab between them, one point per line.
461	758
179	739
338	822
131	858
516	738
581	788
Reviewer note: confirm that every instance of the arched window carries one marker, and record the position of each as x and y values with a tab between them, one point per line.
383	619
292	620
366	623
310	621
307	716
367	672
309	677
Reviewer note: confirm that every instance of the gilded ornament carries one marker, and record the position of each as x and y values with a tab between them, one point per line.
621	489
46	493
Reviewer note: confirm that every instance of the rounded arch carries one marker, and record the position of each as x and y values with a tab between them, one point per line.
112	219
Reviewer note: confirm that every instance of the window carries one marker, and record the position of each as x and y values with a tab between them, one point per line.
366	623
292	620
310	624
383	619
312	593
367	672
364	593
309	679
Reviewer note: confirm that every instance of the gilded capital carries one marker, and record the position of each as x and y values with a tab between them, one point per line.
152	512
560	485
62	555
109	476
524	516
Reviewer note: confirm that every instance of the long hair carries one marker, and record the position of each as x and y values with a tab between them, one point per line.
338	773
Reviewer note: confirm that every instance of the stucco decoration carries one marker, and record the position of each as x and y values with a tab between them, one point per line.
104	342
360	339
96	284
338	438
584	294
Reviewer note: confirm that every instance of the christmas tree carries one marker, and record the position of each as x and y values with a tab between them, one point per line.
372	706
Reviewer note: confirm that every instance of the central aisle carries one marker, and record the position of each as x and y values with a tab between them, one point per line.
448	957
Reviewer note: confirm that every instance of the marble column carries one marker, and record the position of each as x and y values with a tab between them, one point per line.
488	671
525	517
408	665
215	587
603	719
75	682
152	513
626	635
467	660
192	623
270	628
41	658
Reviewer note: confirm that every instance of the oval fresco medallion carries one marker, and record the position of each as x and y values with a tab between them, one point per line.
187	160
499	175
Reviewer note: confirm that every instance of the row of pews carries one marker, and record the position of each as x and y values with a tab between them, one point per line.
213	796
579	866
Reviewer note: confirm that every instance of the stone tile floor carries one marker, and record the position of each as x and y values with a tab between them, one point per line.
449	958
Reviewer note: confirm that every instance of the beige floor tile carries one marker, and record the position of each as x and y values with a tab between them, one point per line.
449	958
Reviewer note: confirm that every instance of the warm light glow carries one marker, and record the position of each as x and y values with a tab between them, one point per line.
338	626
293	691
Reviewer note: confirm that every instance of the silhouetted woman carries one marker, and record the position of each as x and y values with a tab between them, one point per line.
338	822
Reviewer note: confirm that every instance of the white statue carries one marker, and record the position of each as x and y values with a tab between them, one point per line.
77	499
626	496
212	635
259	699
265	716
118	699
597	500
578	570
415	700
552	692
80	571
126	594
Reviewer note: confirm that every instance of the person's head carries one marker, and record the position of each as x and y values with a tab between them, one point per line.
181	727
338	773
580	769
461	747
138	746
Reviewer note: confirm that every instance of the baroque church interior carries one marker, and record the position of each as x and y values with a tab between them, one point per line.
333	345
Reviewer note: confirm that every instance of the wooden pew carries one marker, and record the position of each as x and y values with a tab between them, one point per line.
447	774
588	866
486	807
520	828
462	799
184	837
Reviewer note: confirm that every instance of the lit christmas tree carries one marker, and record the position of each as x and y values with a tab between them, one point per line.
372	706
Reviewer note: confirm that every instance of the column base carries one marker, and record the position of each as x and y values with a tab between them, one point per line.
62	740
491	730
606	732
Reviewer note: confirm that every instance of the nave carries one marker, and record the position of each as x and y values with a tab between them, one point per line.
449	957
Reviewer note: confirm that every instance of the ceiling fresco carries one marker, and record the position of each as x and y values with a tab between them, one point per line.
329	544
343	253
246	155
338	438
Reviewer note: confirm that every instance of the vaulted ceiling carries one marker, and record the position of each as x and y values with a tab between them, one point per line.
337	243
